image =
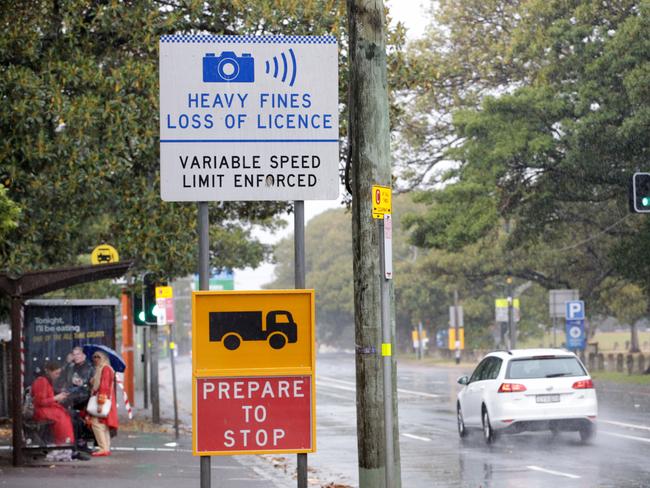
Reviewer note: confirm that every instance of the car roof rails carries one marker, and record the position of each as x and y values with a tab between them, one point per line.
508	351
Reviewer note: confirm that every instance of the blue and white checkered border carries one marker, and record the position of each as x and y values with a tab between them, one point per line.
205	38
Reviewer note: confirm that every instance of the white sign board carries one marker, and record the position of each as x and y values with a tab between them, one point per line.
248	118
557	301
452	317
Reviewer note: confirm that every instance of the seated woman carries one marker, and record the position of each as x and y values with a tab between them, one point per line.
47	405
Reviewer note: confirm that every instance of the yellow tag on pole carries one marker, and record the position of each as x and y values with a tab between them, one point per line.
172	345
386	349
381	201
164	292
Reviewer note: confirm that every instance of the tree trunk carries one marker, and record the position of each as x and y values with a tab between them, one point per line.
634	338
369	163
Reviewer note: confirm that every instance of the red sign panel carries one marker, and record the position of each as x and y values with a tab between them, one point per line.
253	415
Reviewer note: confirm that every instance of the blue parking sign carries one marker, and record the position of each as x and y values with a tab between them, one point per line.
575	310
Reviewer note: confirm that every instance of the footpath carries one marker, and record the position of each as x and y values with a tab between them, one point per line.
143	456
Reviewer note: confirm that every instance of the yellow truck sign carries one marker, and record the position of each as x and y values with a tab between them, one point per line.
253	330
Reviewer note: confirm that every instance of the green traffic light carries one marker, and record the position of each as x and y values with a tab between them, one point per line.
645	201
141	316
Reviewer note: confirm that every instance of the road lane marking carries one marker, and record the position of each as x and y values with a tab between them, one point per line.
624	424
418	393
623	436
333	395
417	437
339	387
335	380
319	380
556	473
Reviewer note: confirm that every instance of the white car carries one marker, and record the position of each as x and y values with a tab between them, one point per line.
527	390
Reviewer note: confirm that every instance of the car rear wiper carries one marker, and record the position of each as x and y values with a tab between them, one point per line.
557	375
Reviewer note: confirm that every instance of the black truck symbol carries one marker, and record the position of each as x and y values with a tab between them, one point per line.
234	327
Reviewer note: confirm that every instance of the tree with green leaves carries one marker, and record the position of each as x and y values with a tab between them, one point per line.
544	140
79	120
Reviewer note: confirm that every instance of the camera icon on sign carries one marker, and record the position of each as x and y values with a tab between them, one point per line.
228	68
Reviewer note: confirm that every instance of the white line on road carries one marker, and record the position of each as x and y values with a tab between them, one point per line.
624	424
417	437
352	387
556	473
320	384
623	436
334	395
418	393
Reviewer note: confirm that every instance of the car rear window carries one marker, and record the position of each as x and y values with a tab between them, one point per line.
544	367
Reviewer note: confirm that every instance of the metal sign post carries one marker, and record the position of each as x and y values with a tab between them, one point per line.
299	283
204	284
386	350
381	211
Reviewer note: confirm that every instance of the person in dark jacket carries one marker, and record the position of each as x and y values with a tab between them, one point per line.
75	380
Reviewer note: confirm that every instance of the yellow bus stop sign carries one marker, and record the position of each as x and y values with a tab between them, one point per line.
104	254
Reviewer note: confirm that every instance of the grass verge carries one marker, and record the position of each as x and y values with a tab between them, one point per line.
632	379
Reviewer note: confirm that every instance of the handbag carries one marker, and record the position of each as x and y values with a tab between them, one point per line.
91	408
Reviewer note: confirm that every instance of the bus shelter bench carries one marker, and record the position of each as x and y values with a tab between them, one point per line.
37	435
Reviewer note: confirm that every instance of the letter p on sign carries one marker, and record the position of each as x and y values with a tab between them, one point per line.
575	310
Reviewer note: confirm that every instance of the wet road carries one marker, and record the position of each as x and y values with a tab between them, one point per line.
433	455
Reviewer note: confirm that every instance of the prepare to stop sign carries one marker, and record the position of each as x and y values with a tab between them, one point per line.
253	361
256	414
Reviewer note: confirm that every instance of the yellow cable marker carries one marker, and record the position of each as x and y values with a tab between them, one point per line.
386	349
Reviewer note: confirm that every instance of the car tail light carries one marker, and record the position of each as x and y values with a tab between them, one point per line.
511	387
583	385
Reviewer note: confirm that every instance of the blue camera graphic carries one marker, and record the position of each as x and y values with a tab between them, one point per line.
228	68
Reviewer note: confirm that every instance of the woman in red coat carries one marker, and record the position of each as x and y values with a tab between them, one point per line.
103	386
47	405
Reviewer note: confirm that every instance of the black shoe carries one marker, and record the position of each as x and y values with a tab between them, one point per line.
81	456
84	448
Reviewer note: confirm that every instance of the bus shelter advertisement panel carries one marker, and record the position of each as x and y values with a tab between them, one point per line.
51	331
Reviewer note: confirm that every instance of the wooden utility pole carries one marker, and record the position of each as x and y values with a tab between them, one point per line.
369	164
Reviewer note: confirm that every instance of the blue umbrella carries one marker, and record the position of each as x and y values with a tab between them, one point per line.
117	363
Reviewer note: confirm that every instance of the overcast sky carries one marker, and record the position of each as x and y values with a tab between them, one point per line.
413	14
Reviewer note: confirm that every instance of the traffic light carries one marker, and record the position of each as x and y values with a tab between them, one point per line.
138	314
640	193
149	299
144	302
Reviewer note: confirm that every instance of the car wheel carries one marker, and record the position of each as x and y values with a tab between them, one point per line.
462	431
587	433
488	433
